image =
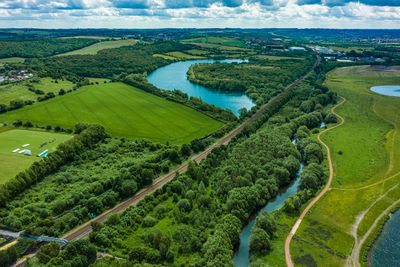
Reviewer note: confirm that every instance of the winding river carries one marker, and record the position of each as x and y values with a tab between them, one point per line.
173	76
242	258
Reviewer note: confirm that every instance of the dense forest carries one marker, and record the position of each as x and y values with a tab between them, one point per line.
108	63
41	47
77	182
196	219
261	79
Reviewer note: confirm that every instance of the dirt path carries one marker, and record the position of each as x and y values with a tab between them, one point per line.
326	188
84	230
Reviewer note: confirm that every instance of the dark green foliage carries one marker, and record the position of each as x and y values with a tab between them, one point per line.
331	118
260	79
8	256
41	47
262	233
47	252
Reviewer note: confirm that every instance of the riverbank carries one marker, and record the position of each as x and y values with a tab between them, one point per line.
174	76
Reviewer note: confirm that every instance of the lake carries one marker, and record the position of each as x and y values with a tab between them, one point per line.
242	258
386	250
173	76
390	90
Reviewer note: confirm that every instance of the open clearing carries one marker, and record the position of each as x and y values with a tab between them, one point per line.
365	175
123	110
19	90
225	41
12	163
11	60
94	48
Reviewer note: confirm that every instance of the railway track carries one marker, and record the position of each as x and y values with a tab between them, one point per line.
84	230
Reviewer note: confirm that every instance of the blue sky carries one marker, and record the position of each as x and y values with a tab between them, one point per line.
200	13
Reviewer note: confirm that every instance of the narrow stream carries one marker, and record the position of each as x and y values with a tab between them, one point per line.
242	258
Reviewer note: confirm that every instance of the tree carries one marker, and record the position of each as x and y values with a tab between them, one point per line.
184	205
185	150
128	188
94	205
173	156
313	153
47	252
260	241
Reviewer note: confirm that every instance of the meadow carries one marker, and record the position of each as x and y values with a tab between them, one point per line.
11	60
365	154
19	90
12	163
94	48
176	55
225	41
123	110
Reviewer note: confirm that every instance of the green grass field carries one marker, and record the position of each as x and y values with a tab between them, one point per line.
11	60
369	166
123	110
225	41
19	90
12	163
94	48
277	57
178	56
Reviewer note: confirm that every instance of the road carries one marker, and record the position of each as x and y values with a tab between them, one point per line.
289	262
84	230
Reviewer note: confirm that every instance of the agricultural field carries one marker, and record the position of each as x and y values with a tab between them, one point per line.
224	41
278	57
123	110
19	90
176	55
12	163
365	152
94	48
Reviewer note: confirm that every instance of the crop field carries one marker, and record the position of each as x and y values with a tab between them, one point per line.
225	41
19	90
178	55
277	57
94	48
12	163
366	171
123	110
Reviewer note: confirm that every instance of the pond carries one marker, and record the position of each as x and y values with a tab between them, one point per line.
173	76
390	90
242	258
386	250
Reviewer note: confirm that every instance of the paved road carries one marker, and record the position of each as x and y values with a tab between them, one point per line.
85	229
326	188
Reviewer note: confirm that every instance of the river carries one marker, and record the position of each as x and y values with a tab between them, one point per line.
242	258
173	76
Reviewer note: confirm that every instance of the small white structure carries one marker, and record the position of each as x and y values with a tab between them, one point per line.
22	151
295	48
28	152
15	150
25	145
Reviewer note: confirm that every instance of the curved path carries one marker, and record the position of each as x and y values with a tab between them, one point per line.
326	188
84	230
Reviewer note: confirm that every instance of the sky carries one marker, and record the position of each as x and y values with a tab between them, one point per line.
363	14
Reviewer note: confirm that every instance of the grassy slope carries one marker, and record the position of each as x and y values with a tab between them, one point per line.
325	237
94	48
11	60
123	110
12	163
19	90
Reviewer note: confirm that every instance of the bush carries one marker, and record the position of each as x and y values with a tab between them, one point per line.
149	221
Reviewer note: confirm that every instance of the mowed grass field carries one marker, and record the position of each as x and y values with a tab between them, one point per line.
12	163
19	90
366	174
123	110
94	48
